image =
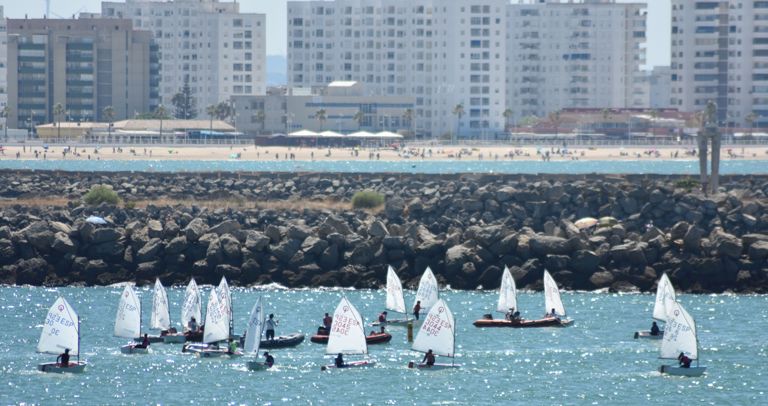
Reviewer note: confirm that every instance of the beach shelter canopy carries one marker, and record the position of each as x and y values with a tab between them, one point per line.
303	133
362	134
331	134
388	134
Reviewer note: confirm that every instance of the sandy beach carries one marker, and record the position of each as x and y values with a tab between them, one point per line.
275	153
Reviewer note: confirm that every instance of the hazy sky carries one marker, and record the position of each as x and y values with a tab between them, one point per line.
658	20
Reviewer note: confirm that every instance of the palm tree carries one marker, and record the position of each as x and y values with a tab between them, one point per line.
750	119
260	117
554	119
211	111
508	113
5	113
458	110
58	111
160	113
109	114
321	116
359	116
408	118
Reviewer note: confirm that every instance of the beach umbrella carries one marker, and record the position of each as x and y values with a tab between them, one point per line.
96	220
585	222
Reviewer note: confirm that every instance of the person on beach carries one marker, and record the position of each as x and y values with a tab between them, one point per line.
269	325
63	358
417	309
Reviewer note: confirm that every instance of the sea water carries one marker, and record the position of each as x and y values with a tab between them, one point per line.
644	166
595	361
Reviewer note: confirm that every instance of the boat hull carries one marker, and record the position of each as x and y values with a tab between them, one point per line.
523	323
217	354
648	336
370	339
353	364
290	340
175	339
680	371
256	366
436	366
132	349
56	368
396	322
152	339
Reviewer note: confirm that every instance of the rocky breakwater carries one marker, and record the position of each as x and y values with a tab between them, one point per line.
466	227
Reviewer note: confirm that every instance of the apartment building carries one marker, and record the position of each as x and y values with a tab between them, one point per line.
720	53
3	67
209	44
579	54
83	64
486	56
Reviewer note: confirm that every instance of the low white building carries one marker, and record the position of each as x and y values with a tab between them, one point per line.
343	107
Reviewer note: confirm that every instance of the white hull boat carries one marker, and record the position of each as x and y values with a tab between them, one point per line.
132	349
218	354
648	336
256	366
436	366
396	322
76	367
353	364
680	371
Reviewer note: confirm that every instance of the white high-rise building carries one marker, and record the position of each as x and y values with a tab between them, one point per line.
720	53
3	67
209	44
575	55
487	56
444	54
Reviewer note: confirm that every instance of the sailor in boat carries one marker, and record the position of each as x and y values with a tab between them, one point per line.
685	362
192	325
552	314
383	317
512	315
231	347
327	321
269	325
339	361
655	329
429	358
268	360
417	309
144	342
63	359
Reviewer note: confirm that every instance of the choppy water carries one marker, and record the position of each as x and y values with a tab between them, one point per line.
594	362
666	167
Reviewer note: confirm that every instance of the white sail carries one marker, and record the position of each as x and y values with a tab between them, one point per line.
663	291
161	318
128	318
395	301
347	331
437	333
552	295
255	325
679	333
216	325
225	300
192	304
507	292
60	330
427	292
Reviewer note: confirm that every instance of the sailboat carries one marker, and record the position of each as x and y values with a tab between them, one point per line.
680	337
160	319
437	334
216	328
128	321
552	301
508	300
252	338
427	293
191	309
664	290
225	298
61	331
347	335
395	301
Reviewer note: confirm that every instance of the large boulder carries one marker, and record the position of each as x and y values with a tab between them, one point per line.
726	244
256	241
758	251
63	244
377	229
104	234
362	254
154	229
195	229
602	279
150	251
230	247
542	245
7	252
393	208
39	235
32	271
286	249
585	261
177	245
314	246
225	227
692	239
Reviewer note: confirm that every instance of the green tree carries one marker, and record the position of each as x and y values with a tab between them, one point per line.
321	116
408	118
211	112
58	112
5	113
109	114
359	116
184	103
458	111
508	113
224	110
161	113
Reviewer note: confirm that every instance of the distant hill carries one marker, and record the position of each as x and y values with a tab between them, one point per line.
277	70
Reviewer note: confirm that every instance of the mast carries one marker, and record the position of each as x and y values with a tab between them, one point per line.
78	340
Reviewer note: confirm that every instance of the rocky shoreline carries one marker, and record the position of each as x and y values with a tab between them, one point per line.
465	227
